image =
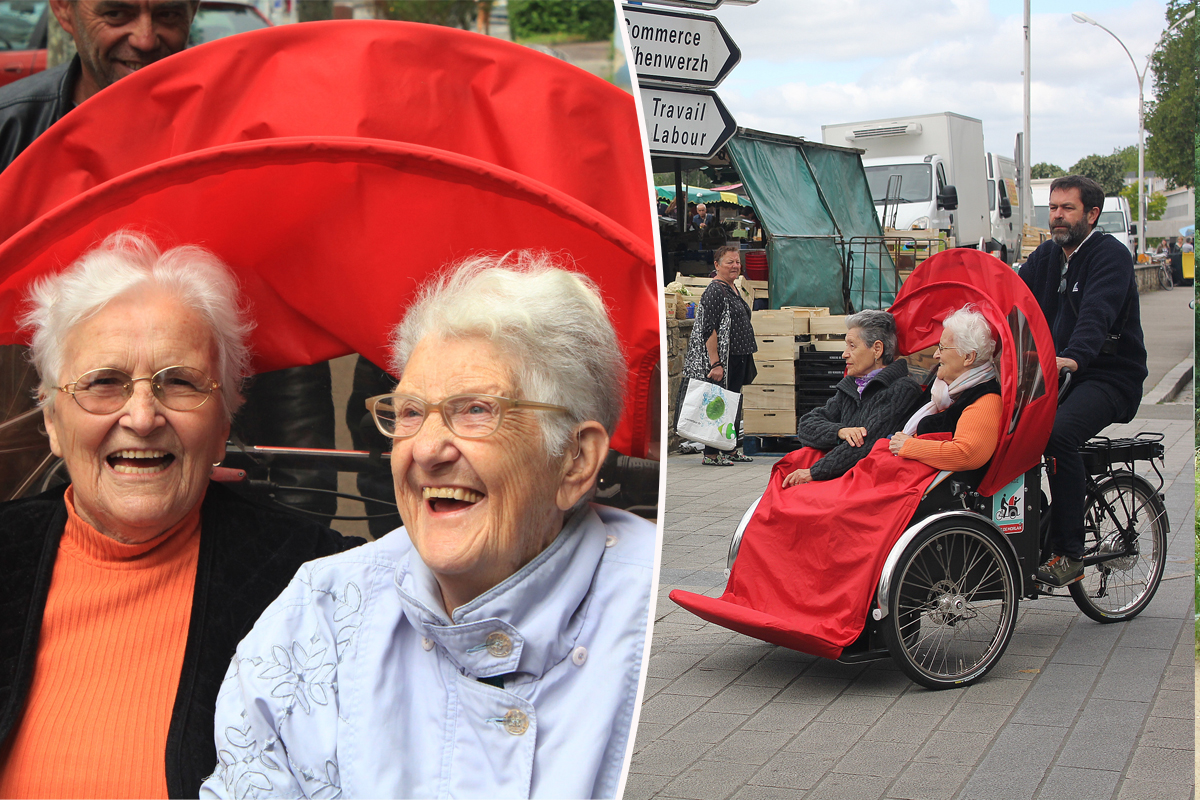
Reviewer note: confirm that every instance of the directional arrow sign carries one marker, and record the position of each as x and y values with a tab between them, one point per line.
690	123
679	47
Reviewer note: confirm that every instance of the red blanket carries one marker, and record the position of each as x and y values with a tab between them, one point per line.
812	554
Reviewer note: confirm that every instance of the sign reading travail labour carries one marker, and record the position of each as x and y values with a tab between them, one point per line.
679	47
685	122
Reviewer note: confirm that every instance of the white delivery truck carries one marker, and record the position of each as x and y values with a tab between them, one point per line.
1115	218
936	166
1004	208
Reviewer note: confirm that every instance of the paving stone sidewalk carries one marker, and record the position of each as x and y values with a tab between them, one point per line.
1073	710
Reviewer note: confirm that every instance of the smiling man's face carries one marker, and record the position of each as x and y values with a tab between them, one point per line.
116	38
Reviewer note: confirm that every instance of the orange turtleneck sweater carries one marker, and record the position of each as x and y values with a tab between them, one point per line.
108	662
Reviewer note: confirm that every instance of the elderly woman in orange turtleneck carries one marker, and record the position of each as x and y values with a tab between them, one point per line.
127	592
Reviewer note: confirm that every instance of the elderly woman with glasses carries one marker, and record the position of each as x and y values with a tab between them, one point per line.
127	591
964	400
492	646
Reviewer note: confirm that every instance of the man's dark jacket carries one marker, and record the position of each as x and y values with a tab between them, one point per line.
31	105
882	408
248	554
1100	287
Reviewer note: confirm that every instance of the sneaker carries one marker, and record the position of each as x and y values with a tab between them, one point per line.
717	461
740	458
1059	571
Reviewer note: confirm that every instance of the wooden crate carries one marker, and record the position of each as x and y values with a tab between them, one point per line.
828	326
776	373
775	348
669	303
769	396
829	345
772	323
769	422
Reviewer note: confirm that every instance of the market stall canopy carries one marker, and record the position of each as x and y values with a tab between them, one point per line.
304	182
810	199
697	195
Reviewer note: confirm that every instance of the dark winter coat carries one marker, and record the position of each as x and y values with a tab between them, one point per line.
885	403
1100	286
31	105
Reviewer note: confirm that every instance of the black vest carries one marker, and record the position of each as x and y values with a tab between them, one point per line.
946	421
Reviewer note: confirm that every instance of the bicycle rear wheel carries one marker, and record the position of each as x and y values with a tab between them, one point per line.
1118	589
1165	279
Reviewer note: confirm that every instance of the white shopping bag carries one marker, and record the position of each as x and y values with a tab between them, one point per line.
708	414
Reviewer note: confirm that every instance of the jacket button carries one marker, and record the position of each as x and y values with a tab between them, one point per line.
579	655
498	645
610	540
515	722
426	643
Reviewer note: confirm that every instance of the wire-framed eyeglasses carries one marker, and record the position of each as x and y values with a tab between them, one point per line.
105	390
941	347
469	416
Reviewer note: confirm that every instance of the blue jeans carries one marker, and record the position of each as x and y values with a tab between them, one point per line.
1090	407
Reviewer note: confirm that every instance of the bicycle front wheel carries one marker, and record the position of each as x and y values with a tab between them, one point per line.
953	604
1124	515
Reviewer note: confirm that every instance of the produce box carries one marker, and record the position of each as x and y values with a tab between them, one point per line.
772	323
775	348
768	397
767	422
777	373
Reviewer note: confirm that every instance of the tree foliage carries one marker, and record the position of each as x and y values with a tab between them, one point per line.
1128	157
1171	117
451	13
1156	203
591	20
1108	171
314	10
1046	170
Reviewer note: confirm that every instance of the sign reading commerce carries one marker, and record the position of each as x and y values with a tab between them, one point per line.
685	122
679	47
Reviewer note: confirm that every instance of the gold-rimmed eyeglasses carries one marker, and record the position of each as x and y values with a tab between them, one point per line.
470	416
105	390
942	347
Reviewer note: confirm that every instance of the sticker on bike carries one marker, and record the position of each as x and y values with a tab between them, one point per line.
1008	507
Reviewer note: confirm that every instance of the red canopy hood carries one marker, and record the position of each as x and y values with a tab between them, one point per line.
946	282
334	166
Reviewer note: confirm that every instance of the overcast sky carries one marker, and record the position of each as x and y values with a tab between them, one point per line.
807	63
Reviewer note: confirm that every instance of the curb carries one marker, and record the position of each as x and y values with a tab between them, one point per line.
1176	379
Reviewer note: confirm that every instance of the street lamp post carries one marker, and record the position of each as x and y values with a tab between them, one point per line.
1141	79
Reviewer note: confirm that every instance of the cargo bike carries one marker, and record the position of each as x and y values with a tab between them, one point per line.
939	593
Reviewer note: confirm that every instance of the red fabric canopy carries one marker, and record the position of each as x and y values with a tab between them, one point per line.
946	282
336	165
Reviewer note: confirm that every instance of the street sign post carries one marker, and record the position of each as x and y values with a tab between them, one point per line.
679	47
688	123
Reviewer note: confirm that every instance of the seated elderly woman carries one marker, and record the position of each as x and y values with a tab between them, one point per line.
127	591
492	647
869	403
964	400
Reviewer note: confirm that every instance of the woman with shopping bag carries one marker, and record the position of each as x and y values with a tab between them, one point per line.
721	347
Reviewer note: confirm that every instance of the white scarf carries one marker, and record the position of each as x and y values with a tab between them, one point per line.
943	396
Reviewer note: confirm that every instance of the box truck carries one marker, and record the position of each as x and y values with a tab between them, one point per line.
1004	208
1115	218
935	166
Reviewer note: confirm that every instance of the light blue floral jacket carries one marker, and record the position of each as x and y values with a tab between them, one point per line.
354	684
